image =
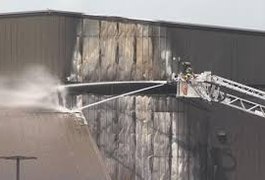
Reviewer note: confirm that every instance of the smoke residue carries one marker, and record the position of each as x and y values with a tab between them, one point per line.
34	87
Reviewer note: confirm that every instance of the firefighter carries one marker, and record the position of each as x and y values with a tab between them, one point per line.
187	73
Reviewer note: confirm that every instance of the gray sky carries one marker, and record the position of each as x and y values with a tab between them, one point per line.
231	13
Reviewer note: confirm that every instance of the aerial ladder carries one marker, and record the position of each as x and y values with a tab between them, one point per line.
213	88
206	86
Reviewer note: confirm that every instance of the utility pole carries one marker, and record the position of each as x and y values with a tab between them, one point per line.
18	159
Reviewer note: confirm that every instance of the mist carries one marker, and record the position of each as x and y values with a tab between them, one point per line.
34	87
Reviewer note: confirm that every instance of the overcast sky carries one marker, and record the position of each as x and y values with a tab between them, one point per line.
248	14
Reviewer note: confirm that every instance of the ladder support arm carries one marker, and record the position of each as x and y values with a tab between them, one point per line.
244	105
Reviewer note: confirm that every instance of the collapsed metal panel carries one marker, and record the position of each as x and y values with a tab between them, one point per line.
63	146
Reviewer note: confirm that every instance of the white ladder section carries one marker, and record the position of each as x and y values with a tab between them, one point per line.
248	106
244	105
238	87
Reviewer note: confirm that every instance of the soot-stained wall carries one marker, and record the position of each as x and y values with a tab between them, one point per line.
141	137
149	137
133	50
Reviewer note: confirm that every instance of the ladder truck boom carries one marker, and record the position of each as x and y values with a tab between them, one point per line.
214	88
238	87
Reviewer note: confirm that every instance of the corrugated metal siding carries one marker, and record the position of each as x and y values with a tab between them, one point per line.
236	56
46	40
242	157
148	137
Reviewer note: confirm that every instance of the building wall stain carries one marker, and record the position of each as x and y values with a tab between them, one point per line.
147	137
140	140
135	134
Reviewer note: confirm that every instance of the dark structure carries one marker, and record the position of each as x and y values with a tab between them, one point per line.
151	137
18	159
